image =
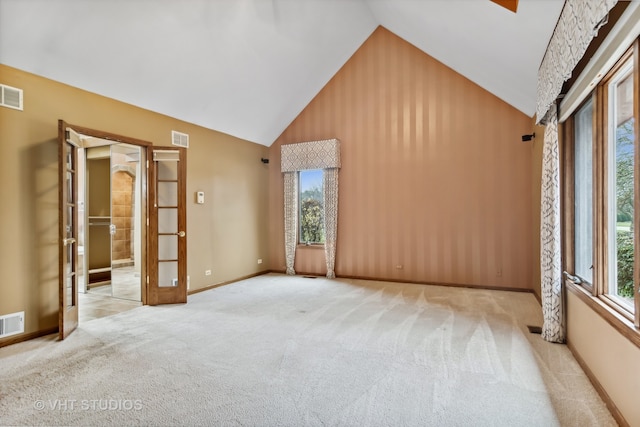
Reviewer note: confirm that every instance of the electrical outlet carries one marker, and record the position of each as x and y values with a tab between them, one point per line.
399	267
207	272
260	261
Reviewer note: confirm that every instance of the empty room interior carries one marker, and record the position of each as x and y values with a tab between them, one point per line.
359	212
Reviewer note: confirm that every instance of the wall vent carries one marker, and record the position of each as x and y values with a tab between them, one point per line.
534	329
10	97
11	324
180	139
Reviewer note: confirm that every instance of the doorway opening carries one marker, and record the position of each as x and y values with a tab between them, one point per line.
111	219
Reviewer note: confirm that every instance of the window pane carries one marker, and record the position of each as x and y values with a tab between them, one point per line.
167	220
167	274
168	170
167	248
621	199
583	225
167	194
70	292
311	207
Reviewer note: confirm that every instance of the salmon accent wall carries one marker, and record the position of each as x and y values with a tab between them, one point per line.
435	184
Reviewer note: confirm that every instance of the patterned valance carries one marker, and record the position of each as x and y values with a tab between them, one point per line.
578	24
310	155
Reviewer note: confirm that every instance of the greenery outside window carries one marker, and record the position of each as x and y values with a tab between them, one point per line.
311	203
620	185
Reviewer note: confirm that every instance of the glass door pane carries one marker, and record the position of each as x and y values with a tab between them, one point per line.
70	237
81	268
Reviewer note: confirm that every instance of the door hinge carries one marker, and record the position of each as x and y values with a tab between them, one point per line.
147	222
147	164
147	280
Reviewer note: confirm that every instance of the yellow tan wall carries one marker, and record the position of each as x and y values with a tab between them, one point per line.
227	234
434	178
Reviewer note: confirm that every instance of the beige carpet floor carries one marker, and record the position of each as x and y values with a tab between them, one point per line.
289	351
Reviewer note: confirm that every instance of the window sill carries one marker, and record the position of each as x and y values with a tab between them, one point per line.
311	246
618	321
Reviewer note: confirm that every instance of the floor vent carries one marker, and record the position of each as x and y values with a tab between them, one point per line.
11	97
534	329
11	324
180	139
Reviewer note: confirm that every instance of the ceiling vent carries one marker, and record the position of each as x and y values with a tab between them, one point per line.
180	139
10	97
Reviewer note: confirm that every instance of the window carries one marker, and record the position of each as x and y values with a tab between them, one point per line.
583	201
602	191
621	200
311	203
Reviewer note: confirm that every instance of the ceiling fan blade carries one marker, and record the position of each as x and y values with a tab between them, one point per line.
512	5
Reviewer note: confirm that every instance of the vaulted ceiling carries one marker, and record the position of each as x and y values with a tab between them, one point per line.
249	67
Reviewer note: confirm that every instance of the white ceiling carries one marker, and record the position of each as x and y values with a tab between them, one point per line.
249	67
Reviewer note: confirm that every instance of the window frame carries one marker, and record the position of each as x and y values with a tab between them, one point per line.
608	141
603	140
596	294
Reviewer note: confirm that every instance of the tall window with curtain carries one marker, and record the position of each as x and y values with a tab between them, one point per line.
578	24
303	214
601	172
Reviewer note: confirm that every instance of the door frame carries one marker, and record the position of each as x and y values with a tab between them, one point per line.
68	319
144	173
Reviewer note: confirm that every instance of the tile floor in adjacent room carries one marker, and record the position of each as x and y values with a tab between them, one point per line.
94	306
102	301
